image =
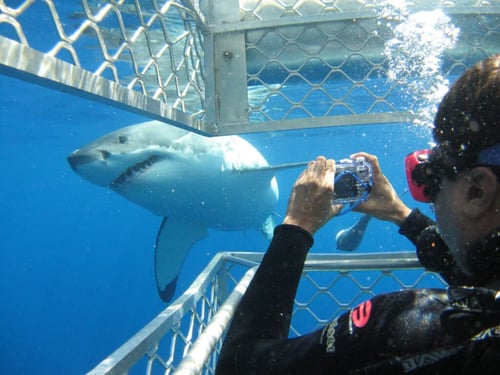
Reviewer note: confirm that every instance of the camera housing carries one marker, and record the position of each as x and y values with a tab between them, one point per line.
352	180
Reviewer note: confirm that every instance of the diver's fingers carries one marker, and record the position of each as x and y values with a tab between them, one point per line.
371	159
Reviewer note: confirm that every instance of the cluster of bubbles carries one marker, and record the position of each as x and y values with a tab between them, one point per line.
415	52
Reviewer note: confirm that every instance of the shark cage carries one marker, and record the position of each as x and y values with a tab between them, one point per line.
221	67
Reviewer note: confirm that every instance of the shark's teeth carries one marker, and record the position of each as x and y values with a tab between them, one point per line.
133	172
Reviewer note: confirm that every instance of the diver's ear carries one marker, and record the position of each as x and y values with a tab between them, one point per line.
482	191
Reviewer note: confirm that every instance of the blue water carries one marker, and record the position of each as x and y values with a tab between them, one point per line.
76	260
76	267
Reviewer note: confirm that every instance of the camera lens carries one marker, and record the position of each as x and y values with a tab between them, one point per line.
346	187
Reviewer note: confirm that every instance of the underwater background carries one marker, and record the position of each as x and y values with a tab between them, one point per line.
76	260
76	265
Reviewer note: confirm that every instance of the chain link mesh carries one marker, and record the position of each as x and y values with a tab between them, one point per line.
330	285
151	47
322	60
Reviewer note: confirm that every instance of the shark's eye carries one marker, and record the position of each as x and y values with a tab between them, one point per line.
122	139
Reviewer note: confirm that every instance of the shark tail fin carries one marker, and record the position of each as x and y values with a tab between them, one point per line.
349	239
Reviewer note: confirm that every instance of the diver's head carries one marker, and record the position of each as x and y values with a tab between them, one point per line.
464	167
468	121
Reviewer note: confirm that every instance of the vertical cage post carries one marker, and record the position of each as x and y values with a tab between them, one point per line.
225	58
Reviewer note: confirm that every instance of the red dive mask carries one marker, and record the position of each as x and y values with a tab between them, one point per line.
418	168
425	169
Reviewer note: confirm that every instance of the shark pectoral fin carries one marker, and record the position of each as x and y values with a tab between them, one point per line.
267	227
175	239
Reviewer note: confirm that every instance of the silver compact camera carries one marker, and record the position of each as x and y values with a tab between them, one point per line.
353	181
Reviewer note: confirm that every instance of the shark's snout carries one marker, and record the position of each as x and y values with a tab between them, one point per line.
78	158
75	160
93	165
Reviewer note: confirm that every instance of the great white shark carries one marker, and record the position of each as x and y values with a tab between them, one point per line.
193	182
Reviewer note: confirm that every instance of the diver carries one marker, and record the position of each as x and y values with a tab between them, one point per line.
419	331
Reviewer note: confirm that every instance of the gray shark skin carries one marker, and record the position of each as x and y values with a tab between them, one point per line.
349	239
193	182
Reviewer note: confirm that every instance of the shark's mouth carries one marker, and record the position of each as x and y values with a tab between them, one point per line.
133	172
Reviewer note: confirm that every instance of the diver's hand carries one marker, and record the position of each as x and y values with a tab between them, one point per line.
310	203
383	203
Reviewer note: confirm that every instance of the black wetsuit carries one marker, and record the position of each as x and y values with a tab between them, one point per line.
431	331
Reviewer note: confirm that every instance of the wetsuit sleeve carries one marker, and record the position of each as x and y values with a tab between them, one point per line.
414	225
375	333
432	252
264	312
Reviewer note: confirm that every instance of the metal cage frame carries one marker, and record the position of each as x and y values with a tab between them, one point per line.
186	337
224	67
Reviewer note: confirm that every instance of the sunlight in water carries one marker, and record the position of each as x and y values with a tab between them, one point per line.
415	55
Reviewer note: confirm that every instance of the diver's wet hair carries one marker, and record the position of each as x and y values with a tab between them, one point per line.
468	118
